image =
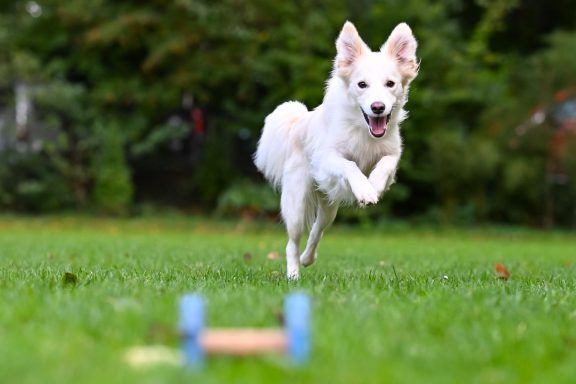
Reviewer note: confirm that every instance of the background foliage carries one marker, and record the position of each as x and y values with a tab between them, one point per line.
117	81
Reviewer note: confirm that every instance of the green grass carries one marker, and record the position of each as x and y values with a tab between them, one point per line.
389	305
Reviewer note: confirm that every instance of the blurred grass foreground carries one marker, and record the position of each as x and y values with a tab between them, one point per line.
401	306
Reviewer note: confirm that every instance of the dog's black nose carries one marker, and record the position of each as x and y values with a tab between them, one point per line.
378	107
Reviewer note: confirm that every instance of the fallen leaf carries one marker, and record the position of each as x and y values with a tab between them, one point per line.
274	255
69	278
279	315
501	271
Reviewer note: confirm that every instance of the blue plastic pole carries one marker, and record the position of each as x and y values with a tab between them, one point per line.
297	322
191	326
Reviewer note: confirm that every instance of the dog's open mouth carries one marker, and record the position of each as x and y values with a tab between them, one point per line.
377	124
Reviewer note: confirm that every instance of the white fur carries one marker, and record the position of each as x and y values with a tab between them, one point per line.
324	158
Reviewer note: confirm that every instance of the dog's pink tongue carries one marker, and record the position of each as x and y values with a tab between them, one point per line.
377	125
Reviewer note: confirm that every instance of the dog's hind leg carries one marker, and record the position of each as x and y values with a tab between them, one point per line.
325	215
296	187
292	262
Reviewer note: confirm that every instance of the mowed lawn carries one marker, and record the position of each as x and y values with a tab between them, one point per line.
390	305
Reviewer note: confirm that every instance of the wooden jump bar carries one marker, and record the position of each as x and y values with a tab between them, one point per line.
243	341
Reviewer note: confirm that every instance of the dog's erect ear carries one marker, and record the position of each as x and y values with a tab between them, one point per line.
401	45
349	47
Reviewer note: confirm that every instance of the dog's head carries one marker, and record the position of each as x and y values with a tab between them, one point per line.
377	81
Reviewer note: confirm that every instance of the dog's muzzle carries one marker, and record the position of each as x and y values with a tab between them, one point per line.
377	124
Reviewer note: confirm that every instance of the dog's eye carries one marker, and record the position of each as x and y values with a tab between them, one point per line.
390	83
362	84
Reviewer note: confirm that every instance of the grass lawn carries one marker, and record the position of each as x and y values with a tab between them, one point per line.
390	305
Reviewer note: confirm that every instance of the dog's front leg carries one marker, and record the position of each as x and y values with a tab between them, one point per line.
334	173
382	177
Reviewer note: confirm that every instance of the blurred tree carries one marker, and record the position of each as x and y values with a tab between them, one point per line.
142	69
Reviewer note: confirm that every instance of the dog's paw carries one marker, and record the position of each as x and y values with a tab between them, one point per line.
366	195
293	275
368	198
293	270
307	259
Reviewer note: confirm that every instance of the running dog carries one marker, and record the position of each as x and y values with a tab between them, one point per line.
347	149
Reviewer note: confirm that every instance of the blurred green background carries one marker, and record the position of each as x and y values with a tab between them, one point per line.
131	107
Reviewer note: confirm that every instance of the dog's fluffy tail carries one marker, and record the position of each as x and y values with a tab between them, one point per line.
281	134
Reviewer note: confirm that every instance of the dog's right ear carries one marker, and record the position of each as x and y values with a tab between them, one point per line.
349	47
401	46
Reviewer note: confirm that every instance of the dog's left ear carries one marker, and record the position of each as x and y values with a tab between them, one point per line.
401	45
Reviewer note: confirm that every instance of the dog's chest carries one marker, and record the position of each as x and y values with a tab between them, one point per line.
365	153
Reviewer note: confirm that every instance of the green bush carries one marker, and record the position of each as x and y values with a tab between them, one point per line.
30	183
112	193
249	199
461	168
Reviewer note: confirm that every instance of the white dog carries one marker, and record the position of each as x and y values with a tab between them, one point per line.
345	150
